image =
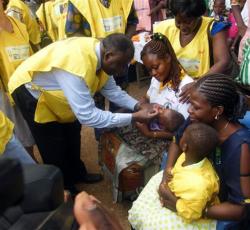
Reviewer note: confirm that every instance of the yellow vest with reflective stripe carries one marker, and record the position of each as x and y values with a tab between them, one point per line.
104	21
6	131
194	57
74	55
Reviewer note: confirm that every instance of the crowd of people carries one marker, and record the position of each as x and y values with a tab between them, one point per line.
59	58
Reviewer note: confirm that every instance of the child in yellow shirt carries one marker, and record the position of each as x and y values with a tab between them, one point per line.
192	187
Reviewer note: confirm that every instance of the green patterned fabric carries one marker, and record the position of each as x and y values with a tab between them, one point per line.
244	76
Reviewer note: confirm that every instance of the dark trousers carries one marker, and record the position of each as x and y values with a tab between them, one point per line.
59	144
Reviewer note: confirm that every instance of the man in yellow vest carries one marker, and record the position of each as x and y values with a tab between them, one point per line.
54	89
98	19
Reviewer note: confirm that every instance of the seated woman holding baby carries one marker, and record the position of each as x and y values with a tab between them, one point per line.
168	78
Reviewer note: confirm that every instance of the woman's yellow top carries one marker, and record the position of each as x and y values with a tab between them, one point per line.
74	55
6	131
194	57
14	49
59	16
19	10
196	187
51	28
104	21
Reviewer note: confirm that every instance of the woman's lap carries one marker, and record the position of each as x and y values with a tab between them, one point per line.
147	212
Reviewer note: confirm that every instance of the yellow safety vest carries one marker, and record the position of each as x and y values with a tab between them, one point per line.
104	21
14	49
52	28
6	131
27	18
74	55
194	57
59	16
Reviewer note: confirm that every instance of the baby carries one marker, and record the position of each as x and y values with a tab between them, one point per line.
164	126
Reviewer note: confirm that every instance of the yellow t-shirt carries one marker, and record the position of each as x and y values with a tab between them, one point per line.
196	186
52	28
104	21
6	131
194	57
19	10
14	49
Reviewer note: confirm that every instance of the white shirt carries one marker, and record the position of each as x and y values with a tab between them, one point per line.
80	100
167	97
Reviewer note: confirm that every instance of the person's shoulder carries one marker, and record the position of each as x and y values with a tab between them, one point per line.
154	82
186	79
164	25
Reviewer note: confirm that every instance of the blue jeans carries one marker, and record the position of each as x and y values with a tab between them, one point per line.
15	150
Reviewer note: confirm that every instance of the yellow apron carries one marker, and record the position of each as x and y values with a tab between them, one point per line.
59	16
52	28
24	14
104	21
194	57
74	55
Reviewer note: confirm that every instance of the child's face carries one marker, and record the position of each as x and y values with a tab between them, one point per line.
162	117
219	7
157	67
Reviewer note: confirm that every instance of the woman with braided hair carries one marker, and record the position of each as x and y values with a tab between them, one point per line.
215	101
168	78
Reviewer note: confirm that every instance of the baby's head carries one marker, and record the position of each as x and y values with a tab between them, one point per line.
170	119
199	140
219	7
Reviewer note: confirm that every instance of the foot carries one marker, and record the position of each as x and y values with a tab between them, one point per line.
91	178
90	214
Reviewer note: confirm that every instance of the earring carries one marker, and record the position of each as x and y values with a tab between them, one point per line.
216	117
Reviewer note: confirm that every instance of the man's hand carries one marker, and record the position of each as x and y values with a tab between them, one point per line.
145	115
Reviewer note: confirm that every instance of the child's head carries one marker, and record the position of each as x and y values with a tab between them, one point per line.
160	60
199	140
219	7
170	119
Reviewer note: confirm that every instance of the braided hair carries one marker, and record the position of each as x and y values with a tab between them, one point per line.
221	90
160	45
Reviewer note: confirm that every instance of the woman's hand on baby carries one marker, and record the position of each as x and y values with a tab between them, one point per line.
185	92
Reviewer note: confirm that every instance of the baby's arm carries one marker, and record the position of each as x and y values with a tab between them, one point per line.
143	128
167	198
